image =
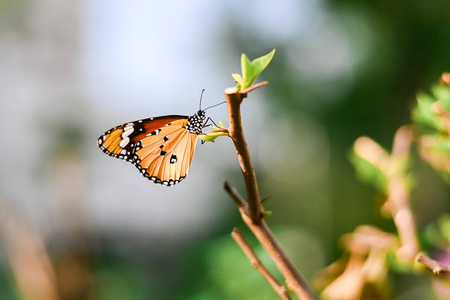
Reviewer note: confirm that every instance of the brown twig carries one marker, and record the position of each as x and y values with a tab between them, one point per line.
399	198
252	211
398	203
240	202
294	280
433	265
236	133
257	264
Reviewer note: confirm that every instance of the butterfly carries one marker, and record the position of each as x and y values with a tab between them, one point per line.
161	147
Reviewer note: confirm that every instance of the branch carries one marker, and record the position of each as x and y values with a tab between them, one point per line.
240	202
435	266
398	203
399	198
256	263
294	280
236	133
252	211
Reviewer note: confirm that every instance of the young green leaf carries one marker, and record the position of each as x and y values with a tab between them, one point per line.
251	70
212	135
238	79
209	137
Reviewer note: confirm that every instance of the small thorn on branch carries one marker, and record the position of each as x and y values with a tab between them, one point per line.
266	197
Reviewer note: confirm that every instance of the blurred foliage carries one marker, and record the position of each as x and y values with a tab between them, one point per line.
404	53
390	175
226	273
222	271
437	235
396	49
117	279
369	172
432	117
424	116
7	284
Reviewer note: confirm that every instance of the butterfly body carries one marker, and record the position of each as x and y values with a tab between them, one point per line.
161	148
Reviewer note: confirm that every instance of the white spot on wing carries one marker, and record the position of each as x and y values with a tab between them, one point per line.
124	142
127	130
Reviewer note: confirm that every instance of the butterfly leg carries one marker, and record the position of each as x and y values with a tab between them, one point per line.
206	122
207	125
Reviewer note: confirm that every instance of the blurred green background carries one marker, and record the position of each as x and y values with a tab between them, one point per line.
71	70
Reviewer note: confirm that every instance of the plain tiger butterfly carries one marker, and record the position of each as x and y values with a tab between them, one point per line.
161	147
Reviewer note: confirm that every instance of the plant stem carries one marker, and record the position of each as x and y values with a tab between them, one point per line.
399	198
236	133
257	264
294	280
435	266
252	210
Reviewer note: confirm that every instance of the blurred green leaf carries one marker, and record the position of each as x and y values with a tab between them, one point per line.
396	264
444	225
442	145
436	235
368	172
424	116
430	236
442	94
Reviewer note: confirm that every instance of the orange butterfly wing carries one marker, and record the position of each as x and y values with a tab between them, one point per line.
161	148
166	157
115	140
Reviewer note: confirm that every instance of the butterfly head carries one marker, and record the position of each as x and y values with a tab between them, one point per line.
201	114
196	121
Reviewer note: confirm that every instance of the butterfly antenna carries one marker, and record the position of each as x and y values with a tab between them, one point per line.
215	105
201	96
